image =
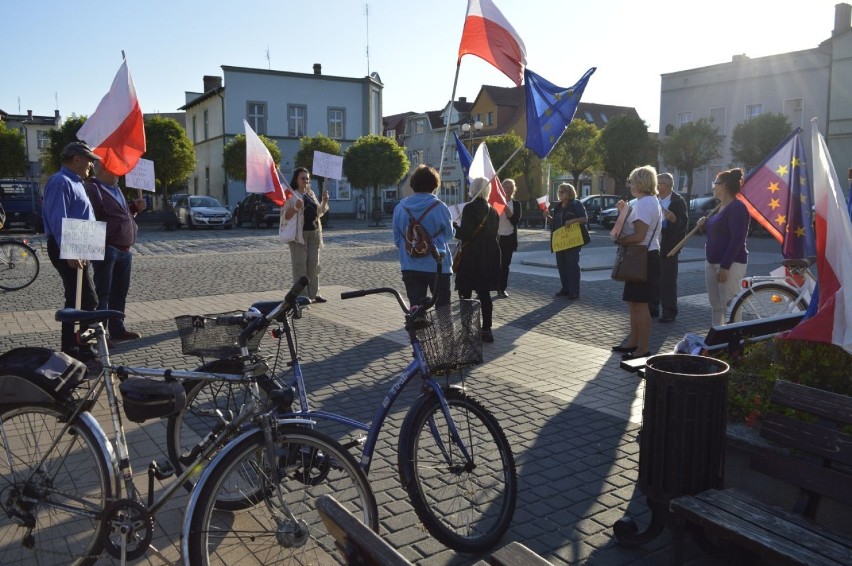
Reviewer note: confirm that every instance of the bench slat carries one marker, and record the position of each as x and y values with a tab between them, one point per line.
516	554
826	404
813	438
758	528
810	476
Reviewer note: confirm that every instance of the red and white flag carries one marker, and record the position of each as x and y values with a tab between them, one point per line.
831	323
543	203
481	166
261	173
116	130
488	35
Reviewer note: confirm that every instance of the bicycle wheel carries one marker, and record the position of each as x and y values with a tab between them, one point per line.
18	265
766	300
467	505
62	500
310	464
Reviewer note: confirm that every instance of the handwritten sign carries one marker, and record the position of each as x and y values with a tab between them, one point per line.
82	239
141	176
327	165
567	238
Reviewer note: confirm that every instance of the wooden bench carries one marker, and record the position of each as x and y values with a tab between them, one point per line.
816	457
359	545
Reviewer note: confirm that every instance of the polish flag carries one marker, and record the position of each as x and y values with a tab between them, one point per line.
831	323
543	203
481	167
261	173
116	130
488	35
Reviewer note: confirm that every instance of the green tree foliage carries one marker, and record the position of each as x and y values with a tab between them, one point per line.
752	141
59	138
235	156
577	150
501	148
690	147
171	151
624	145
374	161
307	147
13	153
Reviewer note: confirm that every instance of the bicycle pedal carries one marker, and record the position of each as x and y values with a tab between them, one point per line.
355	441
162	469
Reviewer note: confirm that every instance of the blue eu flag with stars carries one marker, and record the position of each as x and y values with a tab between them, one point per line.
550	109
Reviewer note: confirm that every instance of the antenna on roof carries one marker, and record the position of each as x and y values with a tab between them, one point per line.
367	14
19	105
268	61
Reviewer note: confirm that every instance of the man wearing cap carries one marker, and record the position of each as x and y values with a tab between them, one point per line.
112	275
65	197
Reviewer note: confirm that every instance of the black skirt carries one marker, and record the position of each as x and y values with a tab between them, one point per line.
648	290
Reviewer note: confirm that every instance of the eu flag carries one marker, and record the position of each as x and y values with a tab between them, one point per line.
549	110
778	195
464	159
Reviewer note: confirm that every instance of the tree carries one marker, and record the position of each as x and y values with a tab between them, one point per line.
500	148
624	145
576	151
171	151
305	155
235	156
374	161
753	140
59	138
13	153
690	147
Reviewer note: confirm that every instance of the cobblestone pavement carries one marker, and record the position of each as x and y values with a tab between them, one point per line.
571	414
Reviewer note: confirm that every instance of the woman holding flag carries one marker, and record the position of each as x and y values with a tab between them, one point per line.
304	249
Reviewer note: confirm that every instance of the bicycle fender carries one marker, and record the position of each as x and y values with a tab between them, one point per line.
107	451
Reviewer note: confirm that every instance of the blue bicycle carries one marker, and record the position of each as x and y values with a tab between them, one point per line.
454	460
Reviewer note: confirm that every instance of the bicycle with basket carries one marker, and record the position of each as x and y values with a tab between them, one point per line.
454	460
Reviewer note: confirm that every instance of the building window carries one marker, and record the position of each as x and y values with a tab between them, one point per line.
419	126
256	116
391	134
206	125
684	118
719	118
297	118
450	188
336	123
589	118
194	129
43	139
195	185
604	118
338	189
206	180
753	111
489	119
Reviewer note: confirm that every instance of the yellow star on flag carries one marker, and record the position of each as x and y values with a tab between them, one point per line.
558	96
773	188
800	232
781	219
547	126
774	203
795	162
782	170
548	112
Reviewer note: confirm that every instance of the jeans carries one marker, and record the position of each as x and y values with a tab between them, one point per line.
89	300
418	282
112	283
568	265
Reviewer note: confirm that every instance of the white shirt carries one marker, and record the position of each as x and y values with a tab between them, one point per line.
505	227
647	209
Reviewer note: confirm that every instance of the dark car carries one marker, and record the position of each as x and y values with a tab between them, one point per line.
22	202
700	206
256	210
595	204
608	217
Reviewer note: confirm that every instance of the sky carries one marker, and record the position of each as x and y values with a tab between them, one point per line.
64	55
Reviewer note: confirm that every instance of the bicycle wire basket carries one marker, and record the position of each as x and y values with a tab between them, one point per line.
451	338
207	337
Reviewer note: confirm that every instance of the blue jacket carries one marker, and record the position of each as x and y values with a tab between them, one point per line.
64	197
437	223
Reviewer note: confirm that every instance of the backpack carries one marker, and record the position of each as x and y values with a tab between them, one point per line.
417	239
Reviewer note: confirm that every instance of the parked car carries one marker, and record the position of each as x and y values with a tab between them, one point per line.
255	210
595	204
176	197
608	217
193	211
700	206
22	202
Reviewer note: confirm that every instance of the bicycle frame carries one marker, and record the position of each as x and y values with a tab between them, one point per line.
802	292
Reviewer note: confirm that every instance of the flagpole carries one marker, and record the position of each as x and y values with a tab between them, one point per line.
447	128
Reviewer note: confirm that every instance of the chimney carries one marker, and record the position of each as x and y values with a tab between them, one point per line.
57	121
317	69
741	58
212	82
30	115
842	19
463	100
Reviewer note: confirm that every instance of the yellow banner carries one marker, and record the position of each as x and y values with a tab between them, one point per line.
567	238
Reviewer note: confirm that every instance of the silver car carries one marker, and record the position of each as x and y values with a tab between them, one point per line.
193	211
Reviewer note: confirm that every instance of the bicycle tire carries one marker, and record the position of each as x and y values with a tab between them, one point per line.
71	491
19	265
765	300
252	535
441	491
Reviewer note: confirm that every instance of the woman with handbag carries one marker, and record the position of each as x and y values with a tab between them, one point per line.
479	266
561	214
641	228
302	230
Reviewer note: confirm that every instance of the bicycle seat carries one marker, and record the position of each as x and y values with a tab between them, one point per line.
265	307
74	315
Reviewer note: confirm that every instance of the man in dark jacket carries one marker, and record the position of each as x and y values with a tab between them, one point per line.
112	275
675	222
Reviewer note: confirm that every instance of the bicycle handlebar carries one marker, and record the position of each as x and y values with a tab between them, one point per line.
262	321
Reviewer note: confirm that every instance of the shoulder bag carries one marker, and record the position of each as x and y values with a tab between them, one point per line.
457	254
631	261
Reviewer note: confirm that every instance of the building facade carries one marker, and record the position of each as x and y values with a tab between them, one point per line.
36	133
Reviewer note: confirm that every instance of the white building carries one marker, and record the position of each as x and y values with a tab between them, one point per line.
36	132
284	106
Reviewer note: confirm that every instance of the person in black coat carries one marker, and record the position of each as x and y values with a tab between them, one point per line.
508	232
479	269
674	227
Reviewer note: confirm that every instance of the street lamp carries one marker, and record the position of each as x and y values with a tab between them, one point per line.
468	128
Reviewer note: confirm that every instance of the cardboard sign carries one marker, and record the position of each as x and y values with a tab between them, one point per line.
83	239
567	238
327	165
141	176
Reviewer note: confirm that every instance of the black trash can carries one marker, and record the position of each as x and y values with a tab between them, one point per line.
682	442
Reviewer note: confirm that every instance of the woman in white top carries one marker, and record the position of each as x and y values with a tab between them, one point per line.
641	227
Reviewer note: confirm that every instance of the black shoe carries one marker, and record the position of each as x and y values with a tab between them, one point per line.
124	335
667	319
623	349
562	294
319	299
487	336
634	355
573	296
503	294
655	314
